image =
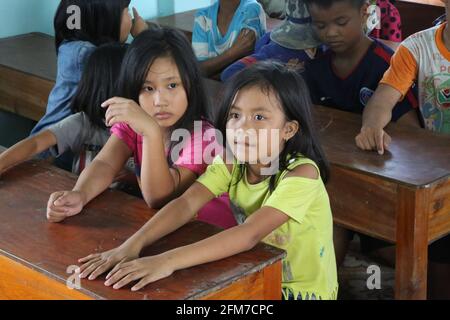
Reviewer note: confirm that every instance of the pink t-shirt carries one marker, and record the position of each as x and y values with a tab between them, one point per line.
195	152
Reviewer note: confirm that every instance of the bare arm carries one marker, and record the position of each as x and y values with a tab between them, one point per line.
160	183
99	175
243	46
26	149
377	115
170	218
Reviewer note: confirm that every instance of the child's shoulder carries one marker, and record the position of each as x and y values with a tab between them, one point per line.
302	167
251	5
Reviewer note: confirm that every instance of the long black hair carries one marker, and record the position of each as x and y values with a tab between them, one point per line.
157	43
100	21
98	82
293	95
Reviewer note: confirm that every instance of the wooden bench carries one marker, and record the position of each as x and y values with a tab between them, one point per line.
402	197
418	15
27	74
35	254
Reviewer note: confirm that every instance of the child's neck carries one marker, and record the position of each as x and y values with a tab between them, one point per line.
345	62
254	175
227	8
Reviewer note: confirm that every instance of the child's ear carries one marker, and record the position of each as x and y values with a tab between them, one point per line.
365	10
290	129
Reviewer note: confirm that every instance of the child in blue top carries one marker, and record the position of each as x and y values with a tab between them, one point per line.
101	22
226	32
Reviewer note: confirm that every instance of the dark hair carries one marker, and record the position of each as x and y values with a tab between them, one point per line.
164	42
294	98
100	21
98	82
328	3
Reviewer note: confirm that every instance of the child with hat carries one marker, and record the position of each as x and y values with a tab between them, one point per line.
292	43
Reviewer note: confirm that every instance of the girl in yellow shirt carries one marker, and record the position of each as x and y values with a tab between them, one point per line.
274	170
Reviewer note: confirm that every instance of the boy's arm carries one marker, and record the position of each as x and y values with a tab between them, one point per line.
26	149
396	82
377	115
242	47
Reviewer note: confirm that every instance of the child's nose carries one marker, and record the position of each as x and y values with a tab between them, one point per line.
159	98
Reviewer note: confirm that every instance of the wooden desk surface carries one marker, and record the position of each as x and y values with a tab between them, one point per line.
32	53
415	158
28	239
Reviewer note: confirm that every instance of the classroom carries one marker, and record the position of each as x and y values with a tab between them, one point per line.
224	150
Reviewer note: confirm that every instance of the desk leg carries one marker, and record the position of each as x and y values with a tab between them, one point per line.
412	244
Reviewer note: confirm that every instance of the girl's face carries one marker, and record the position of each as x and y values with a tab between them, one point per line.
163	96
257	128
339	26
125	26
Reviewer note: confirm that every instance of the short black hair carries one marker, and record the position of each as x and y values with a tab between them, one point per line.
98	82
328	3
294	98
161	42
100	21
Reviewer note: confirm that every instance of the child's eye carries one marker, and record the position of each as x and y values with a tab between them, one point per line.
148	89
259	117
342	22
173	85
233	115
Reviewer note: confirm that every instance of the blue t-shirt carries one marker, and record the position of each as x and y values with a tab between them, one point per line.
72	56
354	91
207	40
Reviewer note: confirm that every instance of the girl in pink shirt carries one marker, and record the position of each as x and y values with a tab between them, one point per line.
158	119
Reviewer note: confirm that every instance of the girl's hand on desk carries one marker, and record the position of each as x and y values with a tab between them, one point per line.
147	270
64	204
96	264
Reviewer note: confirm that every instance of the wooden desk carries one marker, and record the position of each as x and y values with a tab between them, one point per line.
35	254
418	15
402	197
184	21
27	74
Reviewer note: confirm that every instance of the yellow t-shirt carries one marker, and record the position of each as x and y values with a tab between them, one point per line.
309	269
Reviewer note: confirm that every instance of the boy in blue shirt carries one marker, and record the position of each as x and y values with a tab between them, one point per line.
226	32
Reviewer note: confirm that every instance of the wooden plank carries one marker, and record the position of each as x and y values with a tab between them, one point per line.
418	15
18	282
363	203
412	244
417	158
23	94
439	211
104	224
